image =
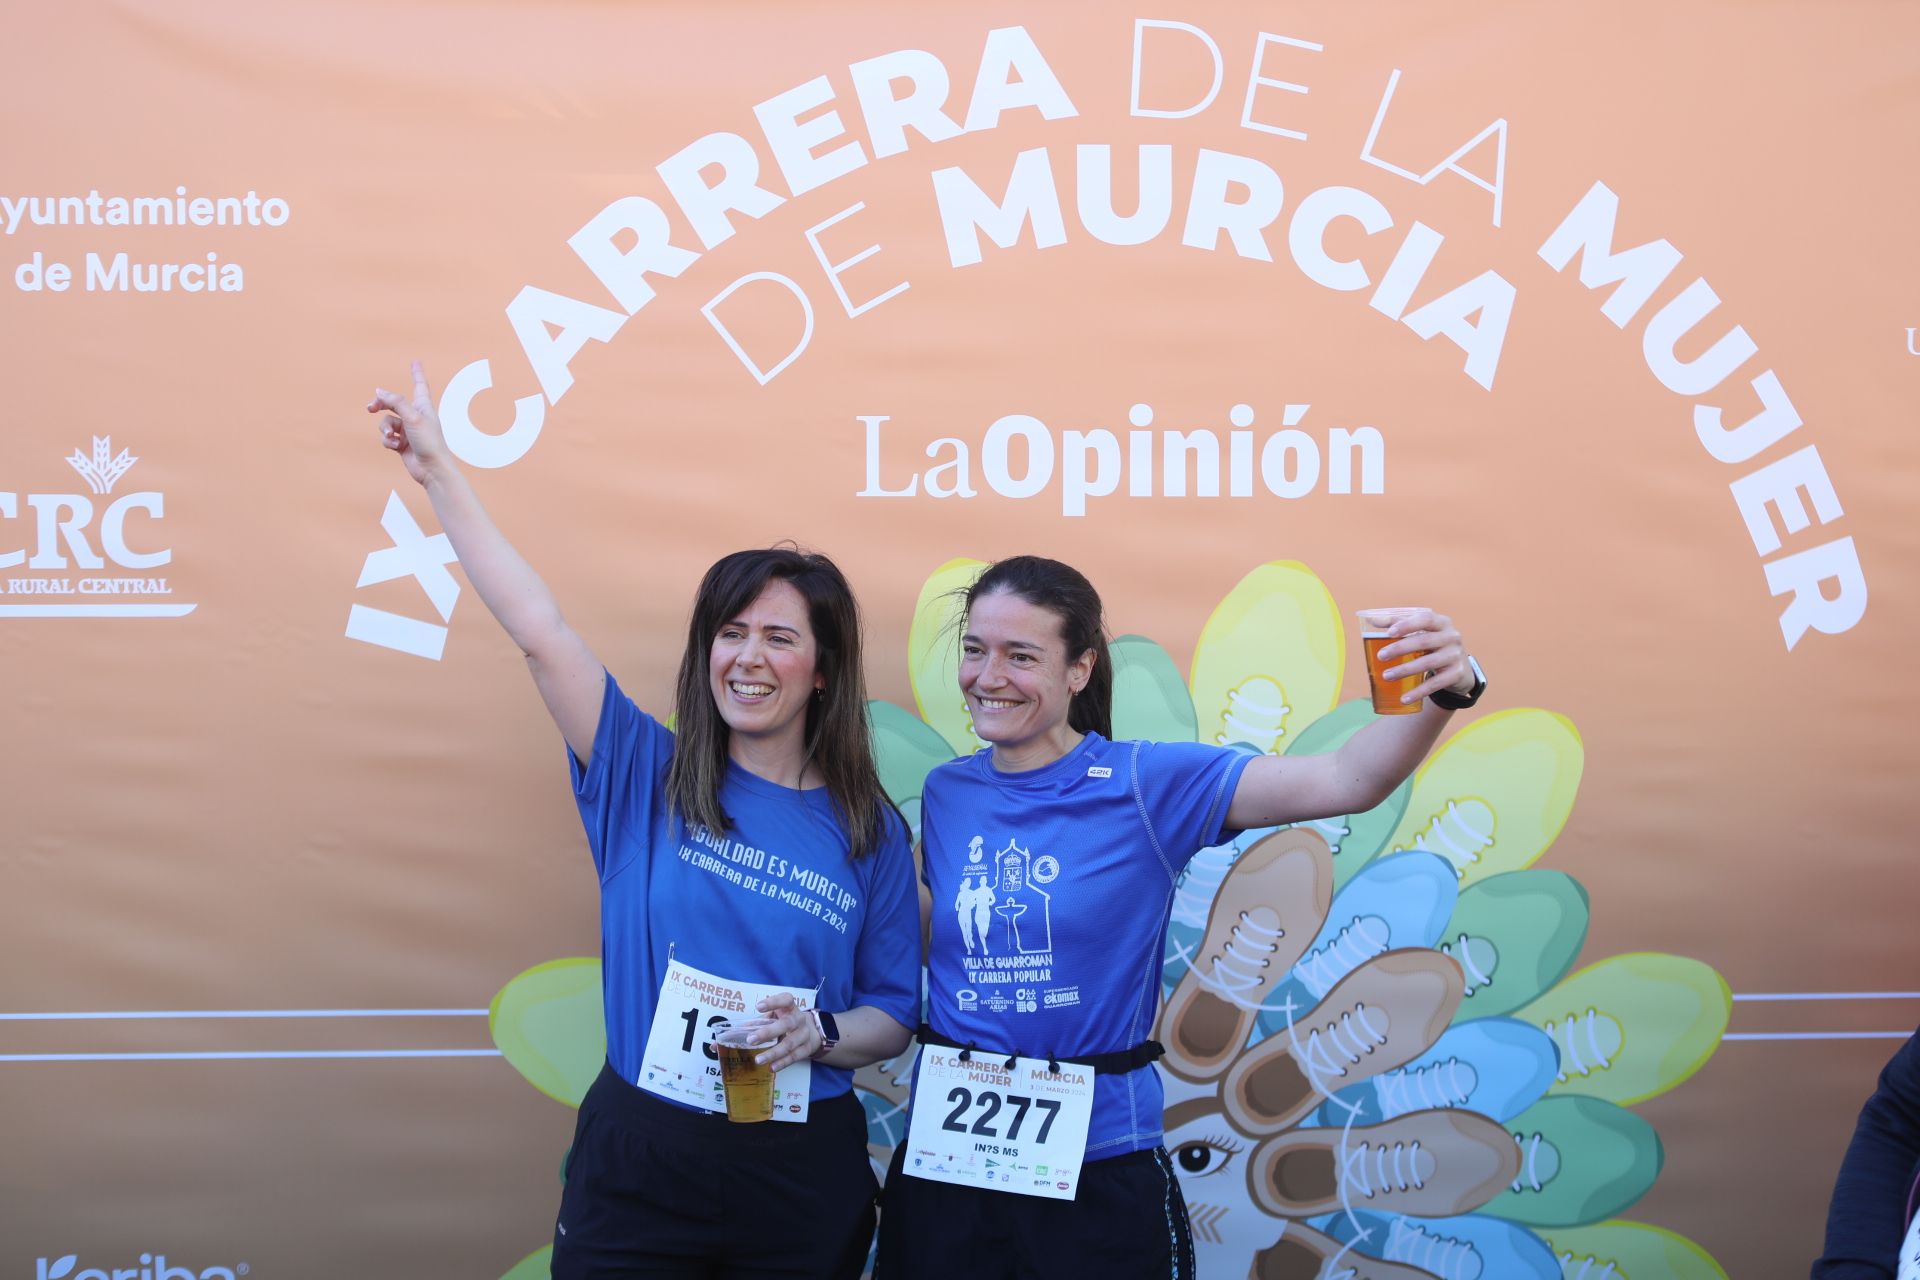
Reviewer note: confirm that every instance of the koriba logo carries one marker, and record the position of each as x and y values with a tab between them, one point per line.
153	1266
63	530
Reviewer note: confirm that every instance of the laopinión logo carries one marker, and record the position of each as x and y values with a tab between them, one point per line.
59	530
153	1266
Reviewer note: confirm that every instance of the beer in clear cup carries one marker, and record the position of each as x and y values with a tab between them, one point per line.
748	1084
1373	638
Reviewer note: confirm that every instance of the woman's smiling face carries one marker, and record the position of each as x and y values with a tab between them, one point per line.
762	667
1015	673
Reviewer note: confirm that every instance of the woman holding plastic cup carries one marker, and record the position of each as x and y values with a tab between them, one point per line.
1034	1146
748	855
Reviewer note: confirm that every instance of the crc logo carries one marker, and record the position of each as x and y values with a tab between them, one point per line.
153	1266
61	530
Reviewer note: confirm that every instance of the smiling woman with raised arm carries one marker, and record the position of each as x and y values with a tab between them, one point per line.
771	769
1045	1126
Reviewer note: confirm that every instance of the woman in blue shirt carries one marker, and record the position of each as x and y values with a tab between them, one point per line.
1083	839
749	856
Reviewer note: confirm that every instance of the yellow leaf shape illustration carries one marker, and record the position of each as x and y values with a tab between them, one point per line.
1270	659
1496	794
1634	1025
1630	1249
549	1022
933	654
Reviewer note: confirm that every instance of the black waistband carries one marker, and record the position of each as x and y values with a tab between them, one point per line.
1117	1063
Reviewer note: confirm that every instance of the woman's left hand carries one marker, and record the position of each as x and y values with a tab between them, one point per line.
790	1034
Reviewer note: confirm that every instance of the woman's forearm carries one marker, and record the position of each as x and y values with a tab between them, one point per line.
866	1036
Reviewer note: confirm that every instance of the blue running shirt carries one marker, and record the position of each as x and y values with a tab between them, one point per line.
1051	894
773	900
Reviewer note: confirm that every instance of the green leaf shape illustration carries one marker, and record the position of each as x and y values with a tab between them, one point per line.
1150	698
1515	935
1581	1160
905	750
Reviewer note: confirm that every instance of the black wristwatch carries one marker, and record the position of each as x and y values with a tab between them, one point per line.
1448	700
829	1032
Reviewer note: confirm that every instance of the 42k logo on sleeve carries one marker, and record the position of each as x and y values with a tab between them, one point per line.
49	564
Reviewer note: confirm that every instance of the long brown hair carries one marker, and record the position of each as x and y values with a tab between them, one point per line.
1063	591
838	742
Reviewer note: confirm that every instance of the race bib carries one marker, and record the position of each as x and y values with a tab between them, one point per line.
1910	1252
977	1124
680	1062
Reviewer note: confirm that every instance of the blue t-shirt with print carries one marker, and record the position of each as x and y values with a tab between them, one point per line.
774	900
1051	894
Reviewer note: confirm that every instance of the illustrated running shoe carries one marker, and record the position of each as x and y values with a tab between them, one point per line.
1265	911
1354	838
1496	1066
1618	1250
1302	1253
1381	1016
1495	795
1150	698
550	1023
1471	1247
1515	935
933	659
1433	1164
1633	1026
1402	900
1581	1160
1193	895
1269	660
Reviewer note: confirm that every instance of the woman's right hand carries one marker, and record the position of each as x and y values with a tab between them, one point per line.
411	428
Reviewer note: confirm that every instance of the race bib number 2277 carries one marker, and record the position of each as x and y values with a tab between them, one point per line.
977	1124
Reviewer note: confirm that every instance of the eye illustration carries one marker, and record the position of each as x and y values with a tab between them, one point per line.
1206	1154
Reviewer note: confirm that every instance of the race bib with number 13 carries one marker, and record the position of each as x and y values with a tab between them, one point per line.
680	1061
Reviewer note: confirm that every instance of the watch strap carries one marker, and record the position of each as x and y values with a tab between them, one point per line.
1449	700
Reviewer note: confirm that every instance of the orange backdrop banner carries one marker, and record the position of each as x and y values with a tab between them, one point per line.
1595	330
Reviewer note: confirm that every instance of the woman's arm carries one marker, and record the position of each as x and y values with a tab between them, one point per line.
1369	765
866	1035
570	679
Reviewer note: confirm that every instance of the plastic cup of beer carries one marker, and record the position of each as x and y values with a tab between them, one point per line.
748	1084
1373	638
